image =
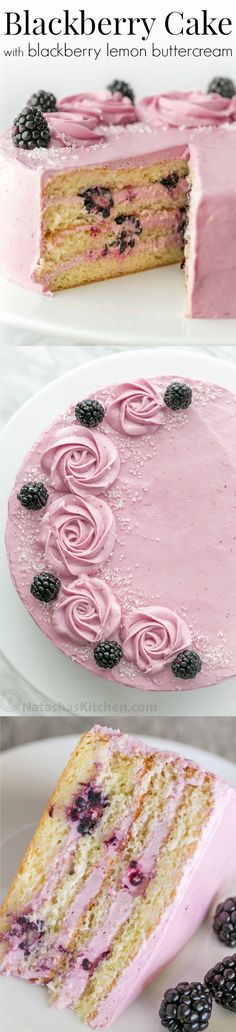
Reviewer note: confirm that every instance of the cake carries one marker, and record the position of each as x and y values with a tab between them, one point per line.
100	188
129	853
121	533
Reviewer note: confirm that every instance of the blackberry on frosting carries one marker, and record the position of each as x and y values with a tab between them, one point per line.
178	396
43	100
90	412
225	87
30	130
119	86
107	654
33	495
186	665
45	587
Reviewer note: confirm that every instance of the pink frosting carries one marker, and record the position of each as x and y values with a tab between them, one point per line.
136	408
80	460
70	129
151	637
87	611
191	110
110	109
77	533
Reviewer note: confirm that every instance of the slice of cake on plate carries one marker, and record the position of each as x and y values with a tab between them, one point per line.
122	868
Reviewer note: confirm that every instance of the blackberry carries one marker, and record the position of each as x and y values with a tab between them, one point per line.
89	412
118	86
224	923
86	964
44	101
221	981
86	825
94	796
126	237
170	181
33	495
80	803
107	654
187	1008
136	878
178	396
186	665
30	130
98	200
45	587
225	87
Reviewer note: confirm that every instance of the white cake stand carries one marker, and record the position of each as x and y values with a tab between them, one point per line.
130	310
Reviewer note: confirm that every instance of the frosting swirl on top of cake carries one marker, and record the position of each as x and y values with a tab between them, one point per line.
110	109
80	460
135	408
152	637
87	611
69	129
190	110
77	533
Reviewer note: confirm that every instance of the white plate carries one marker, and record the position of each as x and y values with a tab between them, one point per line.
142	309
24	645
25	1007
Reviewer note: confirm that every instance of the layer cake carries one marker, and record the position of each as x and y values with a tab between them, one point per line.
105	192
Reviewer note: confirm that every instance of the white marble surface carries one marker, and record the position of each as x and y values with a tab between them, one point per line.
27	364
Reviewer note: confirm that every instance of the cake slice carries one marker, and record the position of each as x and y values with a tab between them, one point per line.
128	855
103	208
210	250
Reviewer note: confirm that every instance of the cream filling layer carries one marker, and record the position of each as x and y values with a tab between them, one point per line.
121	906
155	245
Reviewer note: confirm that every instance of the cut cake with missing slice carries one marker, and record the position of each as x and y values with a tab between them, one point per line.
126	859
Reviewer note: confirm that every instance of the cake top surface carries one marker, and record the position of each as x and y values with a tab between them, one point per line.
89	129
139	528
188	110
117	146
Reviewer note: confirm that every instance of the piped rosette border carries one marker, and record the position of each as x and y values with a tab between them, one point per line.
77	535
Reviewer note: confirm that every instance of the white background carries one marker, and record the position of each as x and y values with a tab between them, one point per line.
72	75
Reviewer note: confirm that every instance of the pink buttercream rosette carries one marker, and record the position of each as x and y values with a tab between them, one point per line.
87	612
152	637
74	130
77	533
136	408
189	110
108	108
80	460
